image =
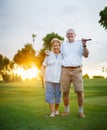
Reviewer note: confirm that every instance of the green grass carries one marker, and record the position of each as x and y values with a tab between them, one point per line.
22	107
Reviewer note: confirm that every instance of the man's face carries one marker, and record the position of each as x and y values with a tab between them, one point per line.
70	35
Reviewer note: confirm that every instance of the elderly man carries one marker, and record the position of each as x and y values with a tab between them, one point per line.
72	52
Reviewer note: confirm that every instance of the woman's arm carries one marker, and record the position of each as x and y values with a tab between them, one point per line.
42	71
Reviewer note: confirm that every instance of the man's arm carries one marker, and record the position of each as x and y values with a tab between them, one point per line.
85	50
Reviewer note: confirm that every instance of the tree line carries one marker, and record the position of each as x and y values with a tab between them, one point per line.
27	56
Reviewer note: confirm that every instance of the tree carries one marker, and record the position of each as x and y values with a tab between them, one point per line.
86	76
33	37
96	77
47	39
103	18
26	56
47	46
5	68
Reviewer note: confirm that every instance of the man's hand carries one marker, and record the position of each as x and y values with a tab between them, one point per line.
84	41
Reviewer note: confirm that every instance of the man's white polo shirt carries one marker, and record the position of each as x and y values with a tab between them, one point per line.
72	53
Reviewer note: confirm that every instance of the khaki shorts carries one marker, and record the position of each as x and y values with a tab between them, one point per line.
69	76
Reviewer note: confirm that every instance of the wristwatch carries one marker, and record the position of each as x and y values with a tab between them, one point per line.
84	46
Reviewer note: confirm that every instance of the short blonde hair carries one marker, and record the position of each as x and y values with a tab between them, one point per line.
55	40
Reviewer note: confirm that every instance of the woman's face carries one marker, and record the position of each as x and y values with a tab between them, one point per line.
56	47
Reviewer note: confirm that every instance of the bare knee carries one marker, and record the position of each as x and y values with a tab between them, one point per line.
65	94
80	93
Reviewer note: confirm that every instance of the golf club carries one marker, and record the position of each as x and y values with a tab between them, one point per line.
87	39
43	86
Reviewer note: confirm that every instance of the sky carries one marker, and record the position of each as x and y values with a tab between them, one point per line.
19	19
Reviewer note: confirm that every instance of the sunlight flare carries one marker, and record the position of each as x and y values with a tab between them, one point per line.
26	74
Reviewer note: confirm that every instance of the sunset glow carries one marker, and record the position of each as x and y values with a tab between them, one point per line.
26	74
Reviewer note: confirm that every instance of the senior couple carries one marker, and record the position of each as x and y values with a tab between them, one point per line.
62	67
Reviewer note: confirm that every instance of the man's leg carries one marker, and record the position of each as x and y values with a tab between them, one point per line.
65	88
78	88
66	103
80	96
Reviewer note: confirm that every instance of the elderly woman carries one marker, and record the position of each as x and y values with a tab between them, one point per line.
51	69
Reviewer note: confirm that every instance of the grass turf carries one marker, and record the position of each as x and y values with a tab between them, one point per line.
22	107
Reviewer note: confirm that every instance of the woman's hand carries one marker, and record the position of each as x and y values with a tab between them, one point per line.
47	52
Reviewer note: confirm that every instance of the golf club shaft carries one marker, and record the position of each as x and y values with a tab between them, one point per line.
43	86
87	39
42	83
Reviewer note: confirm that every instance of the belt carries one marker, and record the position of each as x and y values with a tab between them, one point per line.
71	67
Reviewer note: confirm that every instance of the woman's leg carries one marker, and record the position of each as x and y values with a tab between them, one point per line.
57	97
